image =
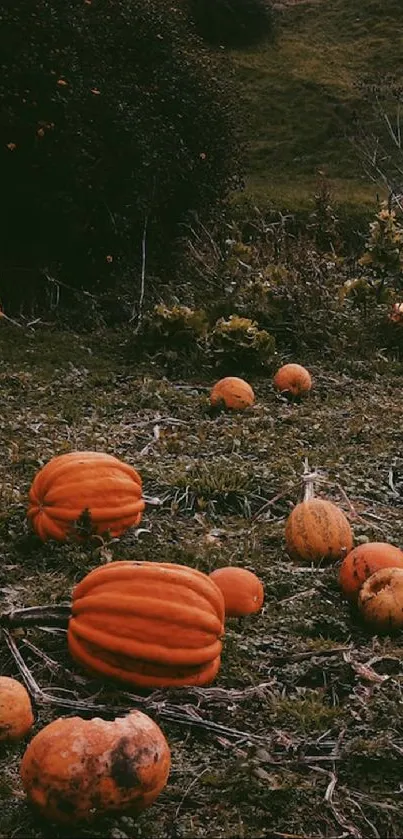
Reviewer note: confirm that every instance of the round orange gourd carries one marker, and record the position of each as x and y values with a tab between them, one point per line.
16	717
232	393
396	315
75	769
73	484
363	561
242	590
317	529
149	624
293	379
380	599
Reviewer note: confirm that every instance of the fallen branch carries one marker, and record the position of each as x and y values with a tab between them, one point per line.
157	707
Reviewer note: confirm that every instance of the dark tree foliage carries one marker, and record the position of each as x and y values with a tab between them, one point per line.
112	113
232	23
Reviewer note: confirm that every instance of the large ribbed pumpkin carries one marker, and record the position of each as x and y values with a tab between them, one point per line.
72	484
317	529
149	624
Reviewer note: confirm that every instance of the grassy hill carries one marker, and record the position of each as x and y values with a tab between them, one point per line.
300	93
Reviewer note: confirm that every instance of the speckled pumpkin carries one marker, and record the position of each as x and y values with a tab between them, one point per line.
75	769
293	379
232	393
380	600
16	717
93	483
149	624
317	529
363	561
242	590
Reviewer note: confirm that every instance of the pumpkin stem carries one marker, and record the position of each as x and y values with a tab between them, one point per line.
308	479
49	615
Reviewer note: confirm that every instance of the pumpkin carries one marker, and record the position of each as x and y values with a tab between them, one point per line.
316	528
293	379
233	393
75	769
242	590
363	561
16	717
380	599
396	315
149	624
79	484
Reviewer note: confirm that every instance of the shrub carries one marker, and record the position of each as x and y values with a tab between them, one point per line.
384	248
114	120
232	23
239	341
179	327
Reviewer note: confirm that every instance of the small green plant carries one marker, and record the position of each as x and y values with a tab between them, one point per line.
239	340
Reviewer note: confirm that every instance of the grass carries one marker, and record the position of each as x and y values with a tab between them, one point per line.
300	95
287	672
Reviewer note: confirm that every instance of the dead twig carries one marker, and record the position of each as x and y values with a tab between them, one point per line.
269	504
171	713
143	278
54	666
303	656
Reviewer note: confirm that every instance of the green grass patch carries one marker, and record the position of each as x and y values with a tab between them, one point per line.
300	96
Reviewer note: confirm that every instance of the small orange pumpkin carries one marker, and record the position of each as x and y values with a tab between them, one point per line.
380	599
16	717
317	529
78	483
75	769
233	393
242	590
293	379
363	561
149	624
396	315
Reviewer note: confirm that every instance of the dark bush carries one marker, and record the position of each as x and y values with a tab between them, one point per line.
232	23
113	113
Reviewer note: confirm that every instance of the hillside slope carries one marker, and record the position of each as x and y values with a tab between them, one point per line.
300	94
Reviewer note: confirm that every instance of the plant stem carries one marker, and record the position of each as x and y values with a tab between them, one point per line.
308	478
49	615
